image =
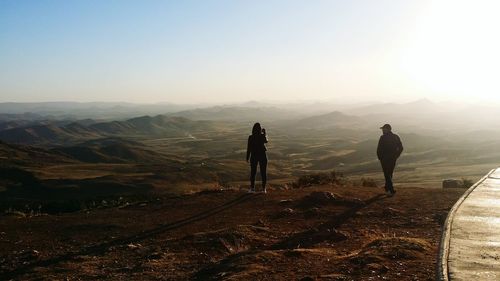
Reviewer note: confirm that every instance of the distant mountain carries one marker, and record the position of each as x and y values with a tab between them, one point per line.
5	117
419	107
100	110
249	113
329	120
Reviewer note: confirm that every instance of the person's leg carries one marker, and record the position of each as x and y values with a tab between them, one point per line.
253	172
390	171
263	172
387	175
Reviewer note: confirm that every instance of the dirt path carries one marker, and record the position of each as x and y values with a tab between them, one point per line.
324	233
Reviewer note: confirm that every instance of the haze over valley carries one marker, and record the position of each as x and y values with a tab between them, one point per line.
441	140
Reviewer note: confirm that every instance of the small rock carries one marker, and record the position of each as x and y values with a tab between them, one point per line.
323	195
320	198
260	222
30	254
15	214
134	246
287	211
334	277
155	256
377	268
391	212
312	212
285	201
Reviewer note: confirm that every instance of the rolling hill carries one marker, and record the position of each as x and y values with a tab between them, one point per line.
76	132
159	125
21	155
37	134
110	150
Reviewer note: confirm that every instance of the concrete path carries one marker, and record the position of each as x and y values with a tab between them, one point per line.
470	247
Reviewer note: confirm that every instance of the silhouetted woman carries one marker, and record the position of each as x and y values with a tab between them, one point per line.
256	153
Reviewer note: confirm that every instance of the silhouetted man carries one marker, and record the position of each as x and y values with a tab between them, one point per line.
388	151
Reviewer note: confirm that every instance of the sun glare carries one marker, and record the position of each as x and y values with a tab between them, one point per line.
455	50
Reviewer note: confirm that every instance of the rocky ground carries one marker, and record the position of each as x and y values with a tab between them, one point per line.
316	233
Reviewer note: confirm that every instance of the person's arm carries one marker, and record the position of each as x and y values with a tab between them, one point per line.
248	148
265	135
399	148
379	149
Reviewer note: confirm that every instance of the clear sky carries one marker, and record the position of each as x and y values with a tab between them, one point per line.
230	51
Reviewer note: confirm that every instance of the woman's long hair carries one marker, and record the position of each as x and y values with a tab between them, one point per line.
257	129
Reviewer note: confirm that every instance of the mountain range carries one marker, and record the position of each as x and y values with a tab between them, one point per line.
52	134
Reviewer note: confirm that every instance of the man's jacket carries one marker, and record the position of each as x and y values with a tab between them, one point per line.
389	147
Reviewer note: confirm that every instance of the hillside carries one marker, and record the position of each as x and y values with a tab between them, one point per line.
20	155
145	126
352	233
36	134
110	150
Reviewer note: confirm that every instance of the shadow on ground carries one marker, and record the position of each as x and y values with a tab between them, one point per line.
103	247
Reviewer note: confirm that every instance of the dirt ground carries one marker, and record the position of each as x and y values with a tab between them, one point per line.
317	233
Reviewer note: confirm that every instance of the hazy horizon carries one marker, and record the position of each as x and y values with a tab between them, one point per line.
263	102
220	52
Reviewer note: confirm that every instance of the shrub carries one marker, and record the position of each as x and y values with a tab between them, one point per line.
466	183
368	182
319	179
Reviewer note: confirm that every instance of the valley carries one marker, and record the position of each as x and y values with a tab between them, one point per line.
133	196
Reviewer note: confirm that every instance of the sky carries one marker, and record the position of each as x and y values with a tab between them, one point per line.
234	50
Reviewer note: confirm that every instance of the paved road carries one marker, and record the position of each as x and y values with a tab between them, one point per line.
470	249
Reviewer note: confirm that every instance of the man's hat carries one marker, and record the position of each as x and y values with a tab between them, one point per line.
386	126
